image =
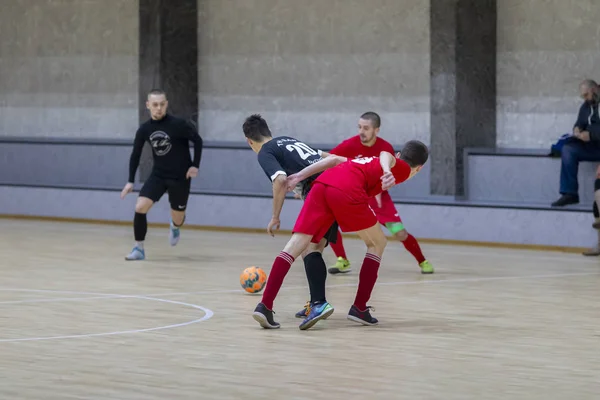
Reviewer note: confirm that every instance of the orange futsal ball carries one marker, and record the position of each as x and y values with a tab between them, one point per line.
253	279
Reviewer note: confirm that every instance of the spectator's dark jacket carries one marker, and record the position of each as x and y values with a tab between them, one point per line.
589	120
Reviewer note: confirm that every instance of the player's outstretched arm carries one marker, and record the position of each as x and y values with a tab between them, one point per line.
317	167
134	161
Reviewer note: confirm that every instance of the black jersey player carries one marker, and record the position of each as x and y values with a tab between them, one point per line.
280	157
172	171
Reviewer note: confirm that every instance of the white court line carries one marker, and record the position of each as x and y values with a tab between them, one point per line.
207	315
523	254
340	285
400	283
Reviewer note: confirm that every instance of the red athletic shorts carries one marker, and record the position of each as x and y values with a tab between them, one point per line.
326	204
387	213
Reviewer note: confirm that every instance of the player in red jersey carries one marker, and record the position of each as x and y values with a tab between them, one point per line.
368	144
342	194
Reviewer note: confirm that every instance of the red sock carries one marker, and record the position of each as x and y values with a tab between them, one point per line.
413	247
366	280
338	247
280	268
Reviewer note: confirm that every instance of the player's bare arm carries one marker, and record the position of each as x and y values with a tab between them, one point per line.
387	161
279	192
317	167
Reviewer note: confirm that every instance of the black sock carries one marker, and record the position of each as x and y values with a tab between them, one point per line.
316	273
140	227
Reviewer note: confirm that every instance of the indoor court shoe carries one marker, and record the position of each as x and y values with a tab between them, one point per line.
173	234
304	312
342	266
317	313
426	267
136	254
362	317
264	317
565	200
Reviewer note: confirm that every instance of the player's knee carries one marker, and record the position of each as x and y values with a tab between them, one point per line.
143	205
377	244
297	244
401	235
314	248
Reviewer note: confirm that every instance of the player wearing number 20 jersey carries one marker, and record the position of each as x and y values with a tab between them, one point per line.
284	155
280	157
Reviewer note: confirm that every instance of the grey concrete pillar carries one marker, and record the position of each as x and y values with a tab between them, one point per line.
168	59
463	87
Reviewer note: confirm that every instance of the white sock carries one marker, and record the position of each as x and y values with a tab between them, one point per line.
139	245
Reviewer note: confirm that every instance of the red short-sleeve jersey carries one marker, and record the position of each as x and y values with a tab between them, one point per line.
360	178
353	148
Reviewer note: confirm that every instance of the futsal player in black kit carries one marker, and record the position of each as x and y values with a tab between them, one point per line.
279	157
172	171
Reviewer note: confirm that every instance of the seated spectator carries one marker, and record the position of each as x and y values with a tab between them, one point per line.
595	251
585	145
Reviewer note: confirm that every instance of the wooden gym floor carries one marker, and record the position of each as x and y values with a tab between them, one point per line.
79	322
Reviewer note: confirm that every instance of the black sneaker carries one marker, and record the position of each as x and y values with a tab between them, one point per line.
565	200
264	317
362	317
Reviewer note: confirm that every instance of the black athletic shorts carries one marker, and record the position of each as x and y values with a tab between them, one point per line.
331	235
179	191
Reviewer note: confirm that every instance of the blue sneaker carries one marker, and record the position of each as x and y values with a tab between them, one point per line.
305	311
317	313
173	234
136	254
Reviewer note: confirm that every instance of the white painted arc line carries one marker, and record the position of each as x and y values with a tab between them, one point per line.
207	315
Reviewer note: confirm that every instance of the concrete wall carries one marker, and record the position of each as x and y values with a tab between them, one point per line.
545	48
69	68
312	67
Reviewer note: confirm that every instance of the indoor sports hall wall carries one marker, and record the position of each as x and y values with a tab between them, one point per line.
312	67
72	71
68	68
545	48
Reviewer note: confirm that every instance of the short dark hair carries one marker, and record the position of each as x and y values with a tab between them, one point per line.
373	117
589	84
415	153
256	128
157	92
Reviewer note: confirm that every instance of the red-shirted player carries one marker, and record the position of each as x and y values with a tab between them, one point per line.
367	144
342	194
